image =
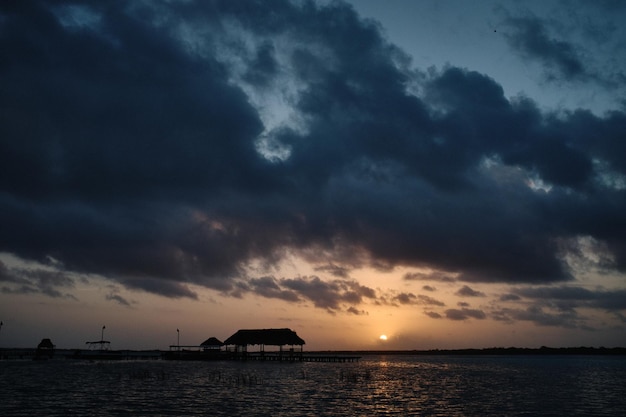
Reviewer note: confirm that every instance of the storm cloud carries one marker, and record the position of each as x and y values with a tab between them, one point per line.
464	314
166	144
530	37
48	282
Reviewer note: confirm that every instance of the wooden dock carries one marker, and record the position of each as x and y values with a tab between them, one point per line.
330	358
295	357
285	356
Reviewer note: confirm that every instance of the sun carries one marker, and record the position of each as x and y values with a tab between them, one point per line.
383	337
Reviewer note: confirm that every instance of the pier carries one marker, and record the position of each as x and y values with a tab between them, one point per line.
286	347
259	356
237	348
295	357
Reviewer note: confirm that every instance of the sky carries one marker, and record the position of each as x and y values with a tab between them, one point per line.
449	174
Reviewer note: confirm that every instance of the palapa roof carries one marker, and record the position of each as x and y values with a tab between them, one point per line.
211	341
272	337
45	344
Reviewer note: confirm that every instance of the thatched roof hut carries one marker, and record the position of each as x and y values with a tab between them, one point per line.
212	343
270	337
45	344
45	350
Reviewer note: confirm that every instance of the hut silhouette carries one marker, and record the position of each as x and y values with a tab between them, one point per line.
212	343
265	337
45	349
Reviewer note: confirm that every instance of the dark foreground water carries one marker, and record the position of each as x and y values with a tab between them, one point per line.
377	385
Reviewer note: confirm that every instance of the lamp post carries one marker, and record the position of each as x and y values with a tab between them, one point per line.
178	339
102	334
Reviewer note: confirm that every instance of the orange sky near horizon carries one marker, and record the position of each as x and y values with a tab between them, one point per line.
150	321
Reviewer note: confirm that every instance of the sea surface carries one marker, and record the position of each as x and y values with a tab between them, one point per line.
374	386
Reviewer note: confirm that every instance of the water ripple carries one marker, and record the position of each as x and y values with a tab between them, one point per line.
377	385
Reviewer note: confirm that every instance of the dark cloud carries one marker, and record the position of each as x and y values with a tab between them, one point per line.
23	289
113	296
405	298
49	282
429	288
335	270
175	144
334	295
531	38
412	299
574	297
268	287
560	293
9	275
165	288
561	306
466	291
599	62
432	276
538	315
464	314
510	297
356	312
329	295
609	5
433	315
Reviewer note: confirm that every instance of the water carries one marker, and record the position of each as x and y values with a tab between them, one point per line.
377	385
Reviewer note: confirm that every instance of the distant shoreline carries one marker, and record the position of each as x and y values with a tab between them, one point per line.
5	353
582	350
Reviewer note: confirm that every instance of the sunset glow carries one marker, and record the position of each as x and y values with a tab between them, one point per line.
372	175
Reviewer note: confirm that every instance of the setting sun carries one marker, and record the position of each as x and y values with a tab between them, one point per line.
383	337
